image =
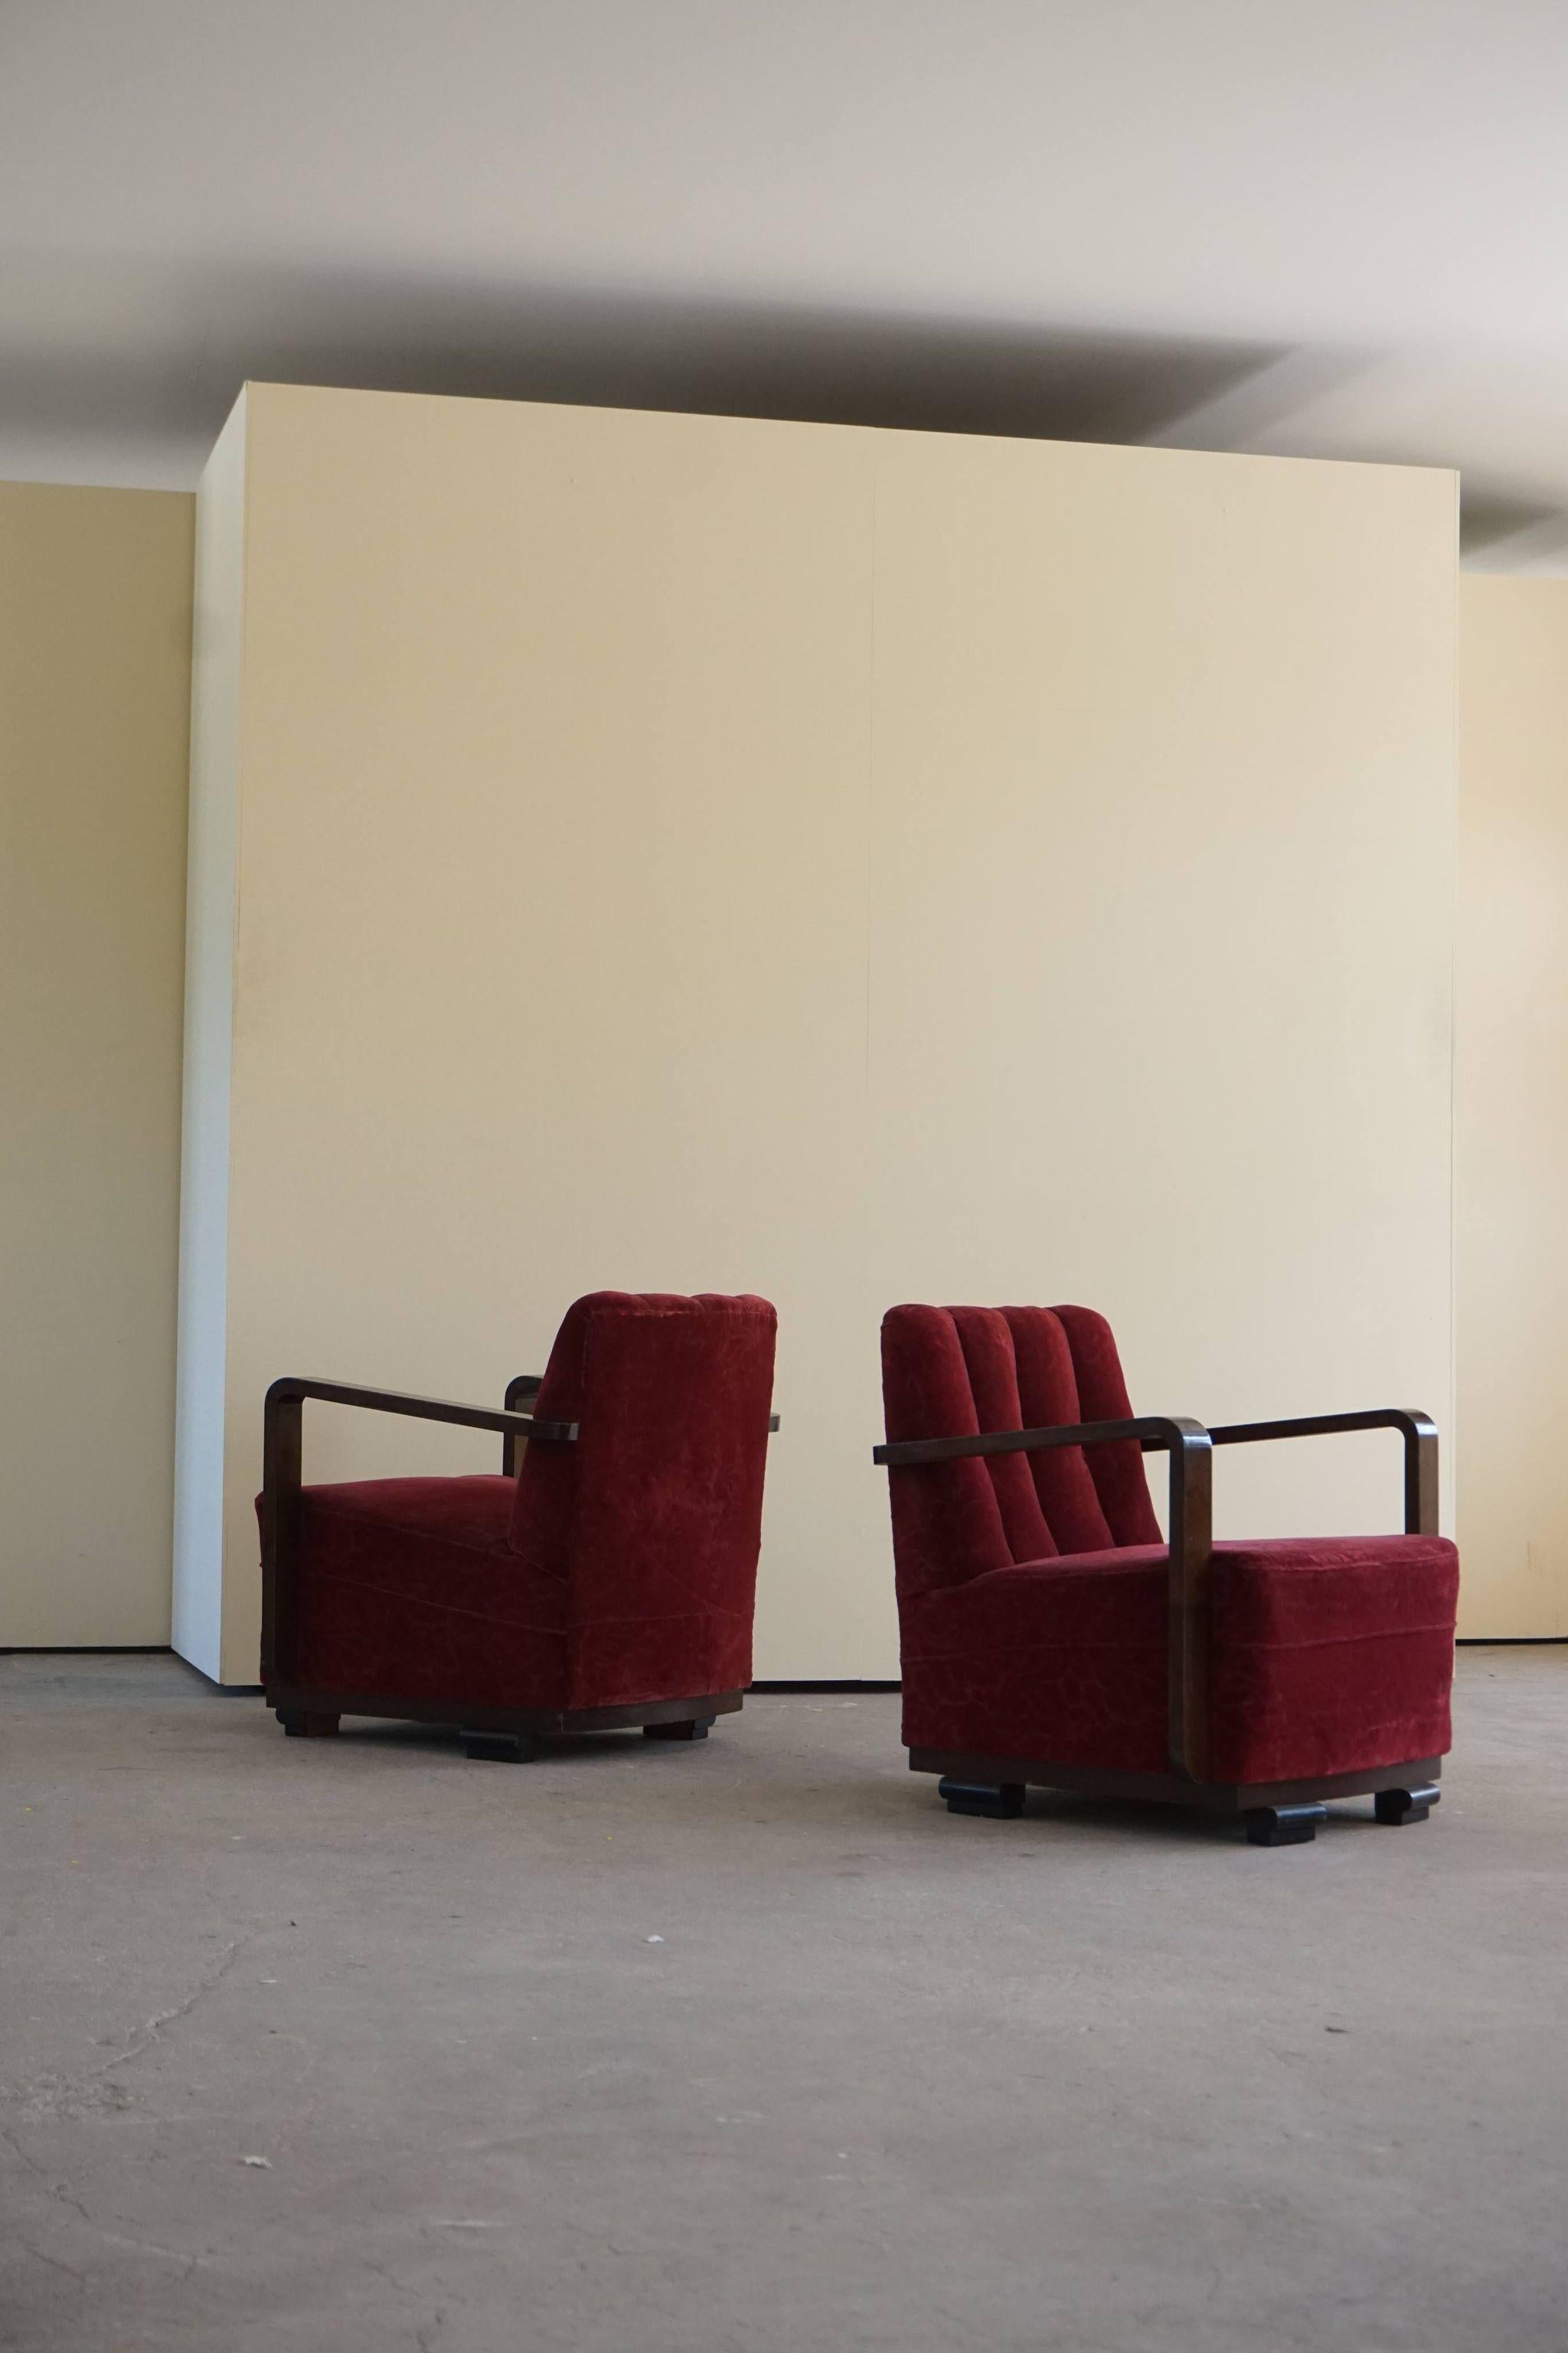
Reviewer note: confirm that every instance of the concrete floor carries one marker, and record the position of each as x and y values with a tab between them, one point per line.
751	2049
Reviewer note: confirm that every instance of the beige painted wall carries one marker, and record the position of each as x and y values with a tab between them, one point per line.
1511	1105
695	852
1160	1015
94	632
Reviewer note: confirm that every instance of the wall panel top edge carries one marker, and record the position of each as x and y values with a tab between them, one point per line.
270	397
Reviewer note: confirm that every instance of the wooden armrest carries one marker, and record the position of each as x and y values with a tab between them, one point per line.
520	1386
282	1461
1418	1430
1155	1430
293	1389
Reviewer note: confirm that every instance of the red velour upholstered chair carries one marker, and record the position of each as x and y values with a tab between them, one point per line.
1049	1636
608	1583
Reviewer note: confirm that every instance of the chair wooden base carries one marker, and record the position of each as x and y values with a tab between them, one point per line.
1407	1805
498	1735
1274	1813
994	1802
500	1747
1283	1825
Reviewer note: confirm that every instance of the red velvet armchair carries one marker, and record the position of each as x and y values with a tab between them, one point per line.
606	1581
1051	1637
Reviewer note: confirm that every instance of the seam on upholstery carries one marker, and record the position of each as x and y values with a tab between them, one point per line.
1038	1463
643	1699
669	1314
1106	1579
529	1625
536	1567
1119	1649
1365	1552
1333	1642
448	1608
1388	1727
1047	1645
668	1616
993	1462
347	1517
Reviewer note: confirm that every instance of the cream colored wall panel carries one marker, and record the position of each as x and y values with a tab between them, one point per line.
683	852
1163	841
552	956
1511	1105
95	621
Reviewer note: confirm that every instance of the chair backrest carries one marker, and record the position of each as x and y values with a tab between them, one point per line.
651	1522
951	1372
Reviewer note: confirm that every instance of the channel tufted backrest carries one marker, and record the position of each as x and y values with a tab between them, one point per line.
651	1522
950	1372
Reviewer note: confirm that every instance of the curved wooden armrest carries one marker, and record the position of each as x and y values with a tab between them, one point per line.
293	1389
1153	1431
281	1473
522	1387
1418	1430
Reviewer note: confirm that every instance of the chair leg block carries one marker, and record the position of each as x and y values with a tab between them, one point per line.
1407	1805
1284	1825
307	1723
996	1802
501	1747
695	1729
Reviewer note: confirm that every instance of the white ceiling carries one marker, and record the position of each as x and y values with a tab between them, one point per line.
1336	229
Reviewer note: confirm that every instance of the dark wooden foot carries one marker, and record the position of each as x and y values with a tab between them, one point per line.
501	1748
307	1723
695	1730
1407	1805
997	1803
1284	1825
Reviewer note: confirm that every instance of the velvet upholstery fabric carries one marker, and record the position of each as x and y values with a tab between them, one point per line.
617	1570
1032	1589
409	1588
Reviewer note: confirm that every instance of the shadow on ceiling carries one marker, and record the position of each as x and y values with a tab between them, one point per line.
115	349
1487	523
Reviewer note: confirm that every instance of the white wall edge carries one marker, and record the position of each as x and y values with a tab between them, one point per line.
210	926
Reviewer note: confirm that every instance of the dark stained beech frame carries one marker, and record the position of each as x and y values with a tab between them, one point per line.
1191	1540
304	1709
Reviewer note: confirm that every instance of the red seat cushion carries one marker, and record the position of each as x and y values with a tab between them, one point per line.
1331	1655
410	1588
1327	1655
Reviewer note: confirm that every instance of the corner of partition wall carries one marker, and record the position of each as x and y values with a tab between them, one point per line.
212	872
1449	1473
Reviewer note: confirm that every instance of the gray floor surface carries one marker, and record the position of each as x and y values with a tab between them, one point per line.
310	2047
